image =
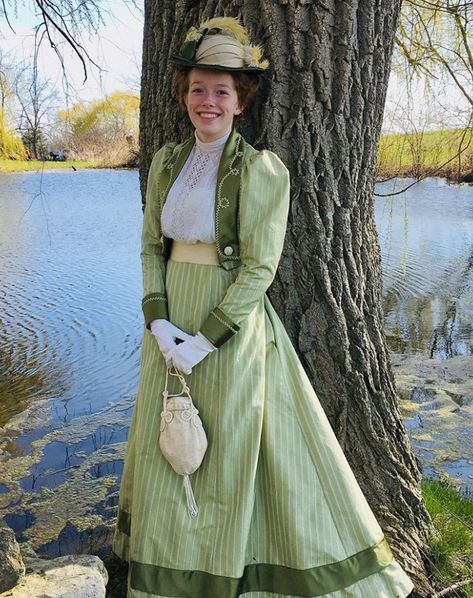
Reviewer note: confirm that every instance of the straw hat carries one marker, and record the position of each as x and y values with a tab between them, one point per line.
220	44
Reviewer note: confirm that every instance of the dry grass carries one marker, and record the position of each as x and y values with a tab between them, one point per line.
433	153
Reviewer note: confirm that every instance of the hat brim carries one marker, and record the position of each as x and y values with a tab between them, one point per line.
184	64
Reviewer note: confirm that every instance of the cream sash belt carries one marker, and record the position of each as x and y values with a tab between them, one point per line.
196	253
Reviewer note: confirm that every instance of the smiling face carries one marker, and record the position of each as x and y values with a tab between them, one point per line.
211	102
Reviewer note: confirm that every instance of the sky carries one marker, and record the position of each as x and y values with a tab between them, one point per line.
117	49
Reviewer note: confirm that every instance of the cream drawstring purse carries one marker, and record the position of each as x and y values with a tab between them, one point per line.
182	438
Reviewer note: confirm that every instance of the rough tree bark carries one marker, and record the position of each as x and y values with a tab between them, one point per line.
330	62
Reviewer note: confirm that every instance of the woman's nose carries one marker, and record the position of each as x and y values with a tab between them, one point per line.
209	99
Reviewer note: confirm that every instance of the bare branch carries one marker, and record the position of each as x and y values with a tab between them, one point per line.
461	27
453	588
5	13
65	21
61	26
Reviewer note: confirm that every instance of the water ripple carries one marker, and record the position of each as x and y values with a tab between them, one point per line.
426	240
70	316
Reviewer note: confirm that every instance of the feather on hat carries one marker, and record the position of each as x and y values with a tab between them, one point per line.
221	43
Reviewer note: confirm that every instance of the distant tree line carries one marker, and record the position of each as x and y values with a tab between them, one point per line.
32	126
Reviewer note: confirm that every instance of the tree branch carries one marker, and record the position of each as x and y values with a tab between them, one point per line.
464	36
5	13
63	29
454	588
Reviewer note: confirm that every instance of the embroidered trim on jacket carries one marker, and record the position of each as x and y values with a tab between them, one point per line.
148	299
223	202
222	321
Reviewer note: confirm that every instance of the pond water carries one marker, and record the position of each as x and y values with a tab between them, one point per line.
71	329
69	348
426	238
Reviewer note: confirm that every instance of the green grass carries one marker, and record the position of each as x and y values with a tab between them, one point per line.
424	153
38	165
452	542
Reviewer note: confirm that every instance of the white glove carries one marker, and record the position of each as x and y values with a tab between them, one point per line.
166	335
189	353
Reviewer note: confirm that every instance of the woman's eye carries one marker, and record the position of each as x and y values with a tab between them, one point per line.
197	90
222	93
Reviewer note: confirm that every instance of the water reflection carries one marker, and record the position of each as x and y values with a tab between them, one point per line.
426	238
21	383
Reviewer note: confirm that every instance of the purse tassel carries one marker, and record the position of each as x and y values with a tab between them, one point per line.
191	504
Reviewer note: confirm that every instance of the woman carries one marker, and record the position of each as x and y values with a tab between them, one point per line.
280	511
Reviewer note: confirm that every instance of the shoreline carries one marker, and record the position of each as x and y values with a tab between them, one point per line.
382	175
385	174
436	403
40	166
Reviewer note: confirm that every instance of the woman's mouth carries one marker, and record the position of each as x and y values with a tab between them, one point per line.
208	115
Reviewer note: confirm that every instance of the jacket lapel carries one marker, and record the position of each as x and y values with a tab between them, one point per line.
227	202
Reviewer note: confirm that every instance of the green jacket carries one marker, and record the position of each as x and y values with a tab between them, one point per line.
251	207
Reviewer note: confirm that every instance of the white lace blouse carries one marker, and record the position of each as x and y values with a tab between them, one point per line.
189	212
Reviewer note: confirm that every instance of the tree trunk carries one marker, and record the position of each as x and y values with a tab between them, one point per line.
330	62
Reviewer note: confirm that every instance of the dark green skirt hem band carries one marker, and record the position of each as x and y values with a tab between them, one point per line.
276	579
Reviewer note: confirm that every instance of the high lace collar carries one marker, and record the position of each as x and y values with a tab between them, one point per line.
211	146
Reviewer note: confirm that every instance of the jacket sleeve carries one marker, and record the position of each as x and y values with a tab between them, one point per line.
154	303
264	205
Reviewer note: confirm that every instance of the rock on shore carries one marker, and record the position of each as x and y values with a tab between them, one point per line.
72	576
12	568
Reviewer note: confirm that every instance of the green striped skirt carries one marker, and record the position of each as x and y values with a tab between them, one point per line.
280	513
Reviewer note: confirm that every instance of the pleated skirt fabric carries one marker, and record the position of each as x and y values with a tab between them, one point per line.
280	512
